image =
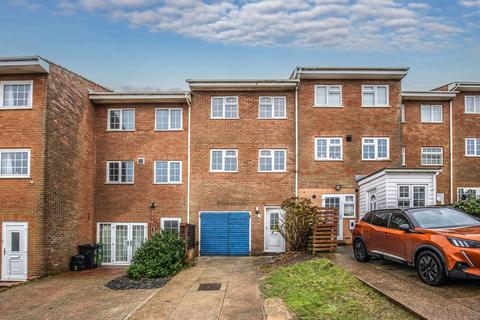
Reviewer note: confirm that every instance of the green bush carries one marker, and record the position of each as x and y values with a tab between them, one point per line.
471	205
161	256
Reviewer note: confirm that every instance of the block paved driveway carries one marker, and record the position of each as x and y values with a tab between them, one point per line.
459	299
82	295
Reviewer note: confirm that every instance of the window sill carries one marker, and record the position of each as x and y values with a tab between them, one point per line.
168	130
15	177
374	107
16	108
378	160
432	165
213	171
432	122
279	118
111	130
237	118
119	183
474	113
284	171
329	160
167	183
471	156
328	107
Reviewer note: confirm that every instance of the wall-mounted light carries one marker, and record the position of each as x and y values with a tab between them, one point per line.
257	211
338	187
152	205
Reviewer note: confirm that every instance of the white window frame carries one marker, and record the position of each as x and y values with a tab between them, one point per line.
273	107
375	96
432	107
328	90
410	198
273	160
107	178
423	151
466	189
375	144
30	98
121	119
17	176
169	162
328	158
224	151
223	106
162	222
169	119
476	142
476	104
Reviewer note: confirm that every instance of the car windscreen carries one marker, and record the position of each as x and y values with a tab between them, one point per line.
431	218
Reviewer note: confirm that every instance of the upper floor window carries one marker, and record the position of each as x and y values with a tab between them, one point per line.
224	108
168	119
375	148
328	149
224	160
121	119
472	104
14	163
272	108
168	172
16	94
432	113
272	160
328	96
120	172
375	96
472	147
432	156
409	196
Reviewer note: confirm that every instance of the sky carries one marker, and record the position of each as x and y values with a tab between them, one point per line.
158	44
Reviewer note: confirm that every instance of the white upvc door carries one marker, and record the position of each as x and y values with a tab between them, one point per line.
345	203
14	251
121	241
274	241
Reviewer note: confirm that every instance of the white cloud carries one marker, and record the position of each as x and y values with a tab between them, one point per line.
470	3
339	24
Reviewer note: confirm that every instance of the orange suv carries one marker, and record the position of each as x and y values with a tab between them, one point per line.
441	242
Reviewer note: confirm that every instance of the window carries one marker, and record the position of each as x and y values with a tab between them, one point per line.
272	108
472	147
328	96
121	119
14	163
224	160
168	119
380	218
272	160
464	193
16	94
345	203
404	156
170	224
374	96
168	172
224	108
432	156
411	196
349	207
375	148
328	148
397	220
403	114
432	114
119	171
472	104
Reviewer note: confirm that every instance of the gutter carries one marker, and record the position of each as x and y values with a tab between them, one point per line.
189	102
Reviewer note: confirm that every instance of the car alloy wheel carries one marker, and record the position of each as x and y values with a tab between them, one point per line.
430	269
360	251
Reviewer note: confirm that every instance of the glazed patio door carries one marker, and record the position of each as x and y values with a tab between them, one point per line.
121	241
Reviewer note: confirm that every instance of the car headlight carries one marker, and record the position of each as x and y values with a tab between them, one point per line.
464	243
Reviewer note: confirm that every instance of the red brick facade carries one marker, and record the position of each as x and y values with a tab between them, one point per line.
67	194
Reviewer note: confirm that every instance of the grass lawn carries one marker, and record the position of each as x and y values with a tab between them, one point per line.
318	289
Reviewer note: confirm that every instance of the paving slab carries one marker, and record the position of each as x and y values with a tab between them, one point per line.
459	299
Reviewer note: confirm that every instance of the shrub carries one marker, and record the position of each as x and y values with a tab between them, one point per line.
161	256
299	217
471	205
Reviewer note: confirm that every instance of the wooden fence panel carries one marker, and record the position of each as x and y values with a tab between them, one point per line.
324	237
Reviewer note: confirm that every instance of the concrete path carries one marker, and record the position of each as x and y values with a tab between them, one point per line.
460	299
238	297
72	295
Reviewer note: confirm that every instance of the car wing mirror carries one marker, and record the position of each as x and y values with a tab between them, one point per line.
405	227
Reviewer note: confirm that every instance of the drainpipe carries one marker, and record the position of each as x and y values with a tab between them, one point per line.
451	150
188	157
296	140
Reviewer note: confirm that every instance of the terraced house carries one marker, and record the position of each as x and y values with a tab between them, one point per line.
81	163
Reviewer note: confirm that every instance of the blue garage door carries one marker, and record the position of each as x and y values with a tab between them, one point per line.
224	233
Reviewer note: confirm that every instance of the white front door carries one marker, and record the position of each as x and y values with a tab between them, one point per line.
14	251
120	241
345	203
274	241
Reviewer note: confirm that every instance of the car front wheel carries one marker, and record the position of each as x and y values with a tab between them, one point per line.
360	251
431	269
